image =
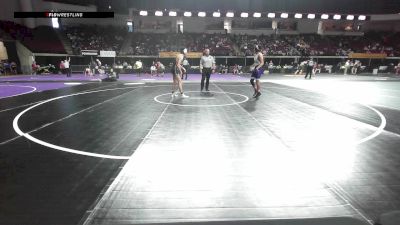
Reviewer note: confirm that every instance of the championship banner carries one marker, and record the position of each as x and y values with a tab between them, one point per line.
89	52
173	54
368	55
111	54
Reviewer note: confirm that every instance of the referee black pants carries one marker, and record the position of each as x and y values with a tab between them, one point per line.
68	72
308	71
205	75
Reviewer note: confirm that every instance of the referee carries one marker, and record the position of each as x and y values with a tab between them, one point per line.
207	66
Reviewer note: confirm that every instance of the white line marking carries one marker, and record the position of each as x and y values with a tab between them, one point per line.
17	107
118	178
72	83
202	98
33	89
337	189
21	106
376	133
190	105
133	83
56	147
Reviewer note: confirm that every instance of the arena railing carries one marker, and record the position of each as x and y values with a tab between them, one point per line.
79	62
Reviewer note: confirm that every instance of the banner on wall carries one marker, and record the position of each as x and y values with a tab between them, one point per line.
89	52
173	54
108	54
368	55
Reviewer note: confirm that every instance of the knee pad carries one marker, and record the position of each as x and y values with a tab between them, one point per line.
252	82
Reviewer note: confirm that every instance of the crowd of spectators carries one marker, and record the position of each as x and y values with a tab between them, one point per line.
269	45
8	67
95	38
109	38
282	45
344	45
152	44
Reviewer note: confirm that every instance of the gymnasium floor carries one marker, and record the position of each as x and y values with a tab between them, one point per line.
80	151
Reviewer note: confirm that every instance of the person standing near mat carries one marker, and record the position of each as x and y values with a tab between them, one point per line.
207	66
257	71
177	71
186	65
67	66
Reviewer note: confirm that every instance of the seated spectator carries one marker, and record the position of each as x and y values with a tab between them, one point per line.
13	67
398	69
160	68
235	70
153	69
35	68
224	69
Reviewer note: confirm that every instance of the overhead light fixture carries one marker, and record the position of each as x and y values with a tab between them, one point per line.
311	16
143	13
350	17
324	16
284	15
201	14
172	13
298	15
362	17
216	14
187	14
158	13
244	15
337	17
257	15
271	15
230	14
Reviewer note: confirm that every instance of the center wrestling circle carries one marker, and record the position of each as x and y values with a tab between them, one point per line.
210	95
